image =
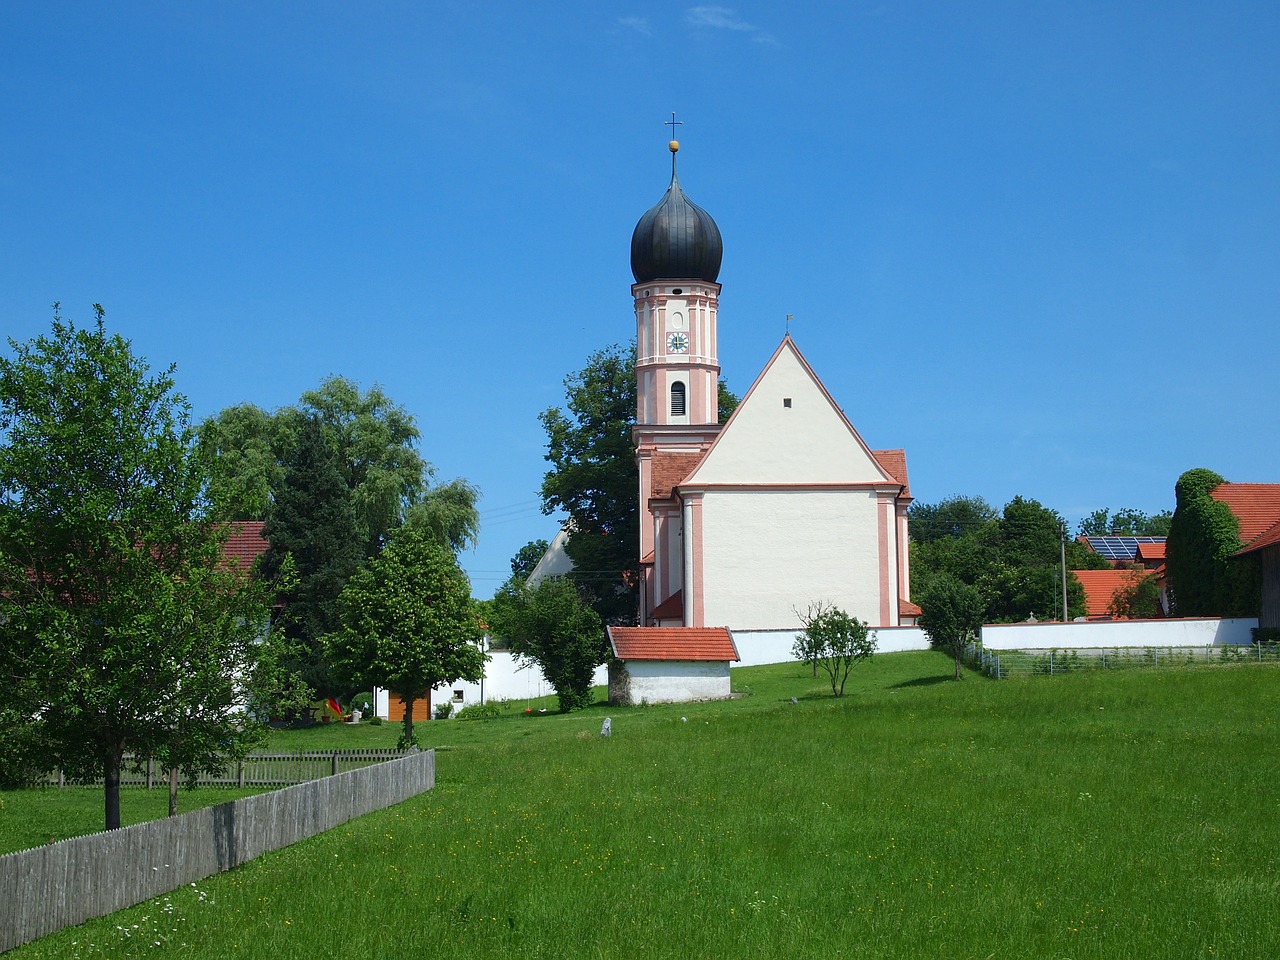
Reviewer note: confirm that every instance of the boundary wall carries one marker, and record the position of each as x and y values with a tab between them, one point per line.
758	647
1110	634
48	888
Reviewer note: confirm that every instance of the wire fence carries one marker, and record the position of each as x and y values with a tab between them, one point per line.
1006	664
255	770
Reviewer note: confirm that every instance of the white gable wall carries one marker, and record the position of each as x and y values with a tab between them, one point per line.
809	441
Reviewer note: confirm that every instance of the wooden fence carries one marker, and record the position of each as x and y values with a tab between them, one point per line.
255	770
65	883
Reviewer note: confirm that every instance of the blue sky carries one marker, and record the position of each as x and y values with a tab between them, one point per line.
1036	245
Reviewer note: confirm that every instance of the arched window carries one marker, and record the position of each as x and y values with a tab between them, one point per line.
677	399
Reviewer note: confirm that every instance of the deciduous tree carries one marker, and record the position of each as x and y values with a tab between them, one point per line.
122	628
553	627
835	642
407	622
952	616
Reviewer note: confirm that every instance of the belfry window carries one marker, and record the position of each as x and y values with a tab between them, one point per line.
677	399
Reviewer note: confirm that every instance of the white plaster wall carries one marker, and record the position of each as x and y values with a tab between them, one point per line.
770	553
758	647
808	442
1108	634
504	680
678	681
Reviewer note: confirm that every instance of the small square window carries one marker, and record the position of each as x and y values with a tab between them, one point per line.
457	696
786	402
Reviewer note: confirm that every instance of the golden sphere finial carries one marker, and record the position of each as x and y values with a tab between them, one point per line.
673	146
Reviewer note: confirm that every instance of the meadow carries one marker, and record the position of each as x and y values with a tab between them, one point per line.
1093	815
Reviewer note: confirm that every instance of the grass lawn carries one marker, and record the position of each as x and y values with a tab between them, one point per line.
1094	815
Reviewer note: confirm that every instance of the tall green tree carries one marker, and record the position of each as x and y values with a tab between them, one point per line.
312	526
122	629
527	558
594	479
243	449
1206	579
408	623
1125	522
375	443
1013	557
552	626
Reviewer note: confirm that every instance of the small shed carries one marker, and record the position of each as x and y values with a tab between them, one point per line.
669	664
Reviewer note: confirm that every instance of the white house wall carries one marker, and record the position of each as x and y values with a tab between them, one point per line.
778	550
759	647
504	680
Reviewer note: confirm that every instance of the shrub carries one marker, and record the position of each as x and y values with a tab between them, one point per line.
480	711
443	711
364	703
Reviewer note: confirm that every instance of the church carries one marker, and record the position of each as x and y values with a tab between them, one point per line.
746	525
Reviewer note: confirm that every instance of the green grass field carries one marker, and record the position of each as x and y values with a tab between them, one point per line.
1094	815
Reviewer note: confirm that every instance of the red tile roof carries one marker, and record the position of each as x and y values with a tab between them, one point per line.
908	609
668	470
244	544
1256	506
671	608
1268	538
1100	586
894	463
1151	551
672	643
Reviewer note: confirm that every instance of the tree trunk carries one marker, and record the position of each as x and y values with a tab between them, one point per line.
111	787
408	720
173	792
959	654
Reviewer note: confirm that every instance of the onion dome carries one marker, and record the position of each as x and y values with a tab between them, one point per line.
676	239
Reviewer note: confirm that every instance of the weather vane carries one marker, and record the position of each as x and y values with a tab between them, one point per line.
790	317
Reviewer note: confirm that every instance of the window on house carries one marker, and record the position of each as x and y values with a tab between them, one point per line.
457	696
786	401
677	399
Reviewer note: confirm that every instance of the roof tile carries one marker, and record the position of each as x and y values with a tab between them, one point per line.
1256	506
672	643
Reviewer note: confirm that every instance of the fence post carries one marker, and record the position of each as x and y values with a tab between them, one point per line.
151	766
334	769
240	774
1051	663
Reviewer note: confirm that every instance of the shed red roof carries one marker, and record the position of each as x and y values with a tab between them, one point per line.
908	609
672	643
1256	506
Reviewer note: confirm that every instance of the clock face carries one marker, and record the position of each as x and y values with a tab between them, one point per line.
677	343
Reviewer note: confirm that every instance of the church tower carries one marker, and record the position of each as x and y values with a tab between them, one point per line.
675	259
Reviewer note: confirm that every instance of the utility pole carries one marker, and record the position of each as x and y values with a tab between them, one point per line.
1063	544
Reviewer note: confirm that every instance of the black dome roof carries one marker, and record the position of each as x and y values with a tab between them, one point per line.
676	240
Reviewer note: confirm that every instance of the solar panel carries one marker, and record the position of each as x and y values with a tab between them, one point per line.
1119	548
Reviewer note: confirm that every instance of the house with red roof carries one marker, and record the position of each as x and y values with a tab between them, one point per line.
1257	509
669	664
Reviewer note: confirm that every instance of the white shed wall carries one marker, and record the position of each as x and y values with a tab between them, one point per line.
677	681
